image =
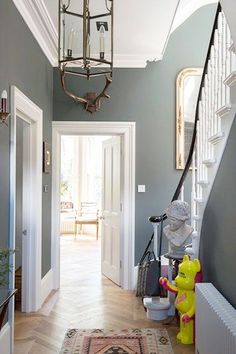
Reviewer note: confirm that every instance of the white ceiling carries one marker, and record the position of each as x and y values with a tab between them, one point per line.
141	27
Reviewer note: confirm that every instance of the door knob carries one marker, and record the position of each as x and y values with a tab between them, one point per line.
24	232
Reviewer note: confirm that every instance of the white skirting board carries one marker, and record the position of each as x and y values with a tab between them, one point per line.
5	334
135	277
5	339
46	285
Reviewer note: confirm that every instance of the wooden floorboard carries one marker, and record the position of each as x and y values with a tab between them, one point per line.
85	300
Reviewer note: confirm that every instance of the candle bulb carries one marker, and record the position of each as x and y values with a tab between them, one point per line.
70	42
88	47
102	42
4	101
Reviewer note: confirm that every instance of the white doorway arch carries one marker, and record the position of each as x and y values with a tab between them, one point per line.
127	132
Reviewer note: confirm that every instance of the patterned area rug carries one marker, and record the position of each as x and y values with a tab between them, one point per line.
126	341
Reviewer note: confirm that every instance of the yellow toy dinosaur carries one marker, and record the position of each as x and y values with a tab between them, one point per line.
188	274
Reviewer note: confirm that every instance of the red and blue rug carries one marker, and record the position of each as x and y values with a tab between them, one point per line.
126	341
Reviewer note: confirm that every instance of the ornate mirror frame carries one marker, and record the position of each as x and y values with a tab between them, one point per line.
180	115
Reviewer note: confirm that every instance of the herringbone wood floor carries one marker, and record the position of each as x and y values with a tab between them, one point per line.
85	300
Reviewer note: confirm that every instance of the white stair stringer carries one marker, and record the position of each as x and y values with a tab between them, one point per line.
212	168
230	81
216	112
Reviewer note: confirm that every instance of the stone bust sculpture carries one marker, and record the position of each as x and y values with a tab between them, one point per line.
178	232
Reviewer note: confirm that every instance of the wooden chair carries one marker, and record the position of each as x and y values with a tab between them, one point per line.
88	215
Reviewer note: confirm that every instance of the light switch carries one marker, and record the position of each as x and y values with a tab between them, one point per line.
141	188
45	188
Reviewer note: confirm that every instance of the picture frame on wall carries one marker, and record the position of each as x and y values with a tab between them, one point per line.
46	157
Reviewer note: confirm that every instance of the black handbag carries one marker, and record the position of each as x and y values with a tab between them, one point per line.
149	270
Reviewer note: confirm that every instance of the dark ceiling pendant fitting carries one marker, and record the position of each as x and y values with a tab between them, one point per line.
88	56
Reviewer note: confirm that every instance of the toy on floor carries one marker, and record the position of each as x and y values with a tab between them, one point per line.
189	273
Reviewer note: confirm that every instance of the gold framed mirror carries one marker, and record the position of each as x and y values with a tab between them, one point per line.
187	88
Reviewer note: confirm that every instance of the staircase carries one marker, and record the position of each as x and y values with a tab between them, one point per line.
216	110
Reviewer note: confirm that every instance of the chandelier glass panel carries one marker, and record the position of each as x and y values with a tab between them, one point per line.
85	45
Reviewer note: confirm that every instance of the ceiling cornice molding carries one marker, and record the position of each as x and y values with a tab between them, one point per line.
38	20
133	61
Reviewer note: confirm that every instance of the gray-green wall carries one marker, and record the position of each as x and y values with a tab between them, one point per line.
23	64
218	236
147	96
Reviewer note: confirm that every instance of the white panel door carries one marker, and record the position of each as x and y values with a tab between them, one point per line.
110	225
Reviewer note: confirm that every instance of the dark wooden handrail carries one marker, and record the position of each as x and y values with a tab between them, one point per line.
191	150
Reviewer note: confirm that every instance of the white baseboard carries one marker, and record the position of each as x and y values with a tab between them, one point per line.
135	276
5	339
46	285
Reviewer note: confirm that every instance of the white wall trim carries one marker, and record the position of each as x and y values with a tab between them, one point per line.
23	107
46	285
134	61
37	18
5	339
135	277
127	131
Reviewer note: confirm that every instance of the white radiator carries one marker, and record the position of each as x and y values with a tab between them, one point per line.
67	226
215	322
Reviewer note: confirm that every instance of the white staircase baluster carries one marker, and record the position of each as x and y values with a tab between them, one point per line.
182	193
205	112
210	98
220	68
228	58
193	194
213	90
198	160
216	83
233	59
223	59
216	54
203	118
200	145
216	111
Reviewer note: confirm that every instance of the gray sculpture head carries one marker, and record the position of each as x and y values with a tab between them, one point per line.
178	232
179	210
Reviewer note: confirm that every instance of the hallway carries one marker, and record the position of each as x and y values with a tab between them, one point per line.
85	300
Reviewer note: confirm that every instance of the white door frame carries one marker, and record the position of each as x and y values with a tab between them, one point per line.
127	132
24	108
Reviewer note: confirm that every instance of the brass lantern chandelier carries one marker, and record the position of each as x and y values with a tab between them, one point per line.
85	47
